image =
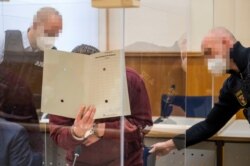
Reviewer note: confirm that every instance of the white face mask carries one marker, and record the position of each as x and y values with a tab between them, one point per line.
217	66
45	42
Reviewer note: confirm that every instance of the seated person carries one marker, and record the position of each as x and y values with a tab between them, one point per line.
15	148
103	147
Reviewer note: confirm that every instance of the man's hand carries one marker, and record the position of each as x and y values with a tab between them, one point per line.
98	134
128	127
84	121
162	148
90	140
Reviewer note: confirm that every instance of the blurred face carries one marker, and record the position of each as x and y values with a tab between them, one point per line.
53	27
216	50
215	47
47	32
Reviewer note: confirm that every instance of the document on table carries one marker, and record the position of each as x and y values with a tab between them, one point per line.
71	80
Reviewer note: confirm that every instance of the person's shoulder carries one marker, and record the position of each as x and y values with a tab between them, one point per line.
131	73
11	125
134	79
231	82
11	129
229	88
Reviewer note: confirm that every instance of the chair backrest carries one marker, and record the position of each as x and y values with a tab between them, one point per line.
194	106
198	106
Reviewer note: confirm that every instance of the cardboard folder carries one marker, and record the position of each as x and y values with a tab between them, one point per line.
71	80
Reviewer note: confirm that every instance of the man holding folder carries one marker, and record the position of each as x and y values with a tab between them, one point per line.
101	144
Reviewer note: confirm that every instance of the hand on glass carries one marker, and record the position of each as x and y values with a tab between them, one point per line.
84	121
162	148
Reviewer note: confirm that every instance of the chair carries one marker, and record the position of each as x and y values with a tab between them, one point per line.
194	106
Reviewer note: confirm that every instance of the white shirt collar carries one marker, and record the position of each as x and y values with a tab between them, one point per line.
26	43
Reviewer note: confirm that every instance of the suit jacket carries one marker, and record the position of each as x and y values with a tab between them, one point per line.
14	145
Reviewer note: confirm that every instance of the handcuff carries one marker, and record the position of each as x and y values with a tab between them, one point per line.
92	131
88	133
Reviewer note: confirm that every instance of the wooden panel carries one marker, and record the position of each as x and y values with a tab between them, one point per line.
240	115
159	73
115	3
198	78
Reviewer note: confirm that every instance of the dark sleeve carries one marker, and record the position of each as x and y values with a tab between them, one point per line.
60	132
140	109
20	152
216	119
179	141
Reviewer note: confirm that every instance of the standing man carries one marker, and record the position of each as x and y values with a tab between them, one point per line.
224	55
22	52
21	56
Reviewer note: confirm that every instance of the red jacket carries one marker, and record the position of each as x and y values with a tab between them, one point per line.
106	151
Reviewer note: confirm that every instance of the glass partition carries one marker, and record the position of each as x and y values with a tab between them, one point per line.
156	38
146	82
48	90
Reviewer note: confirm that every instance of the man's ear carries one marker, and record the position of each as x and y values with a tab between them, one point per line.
34	25
227	42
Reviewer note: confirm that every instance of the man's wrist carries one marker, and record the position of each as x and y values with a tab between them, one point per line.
179	141
171	144
74	135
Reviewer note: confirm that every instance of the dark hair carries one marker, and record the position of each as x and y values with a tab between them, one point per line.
85	49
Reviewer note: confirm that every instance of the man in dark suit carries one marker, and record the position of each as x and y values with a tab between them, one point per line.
14	145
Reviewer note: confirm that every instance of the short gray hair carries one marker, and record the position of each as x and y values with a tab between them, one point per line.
44	13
